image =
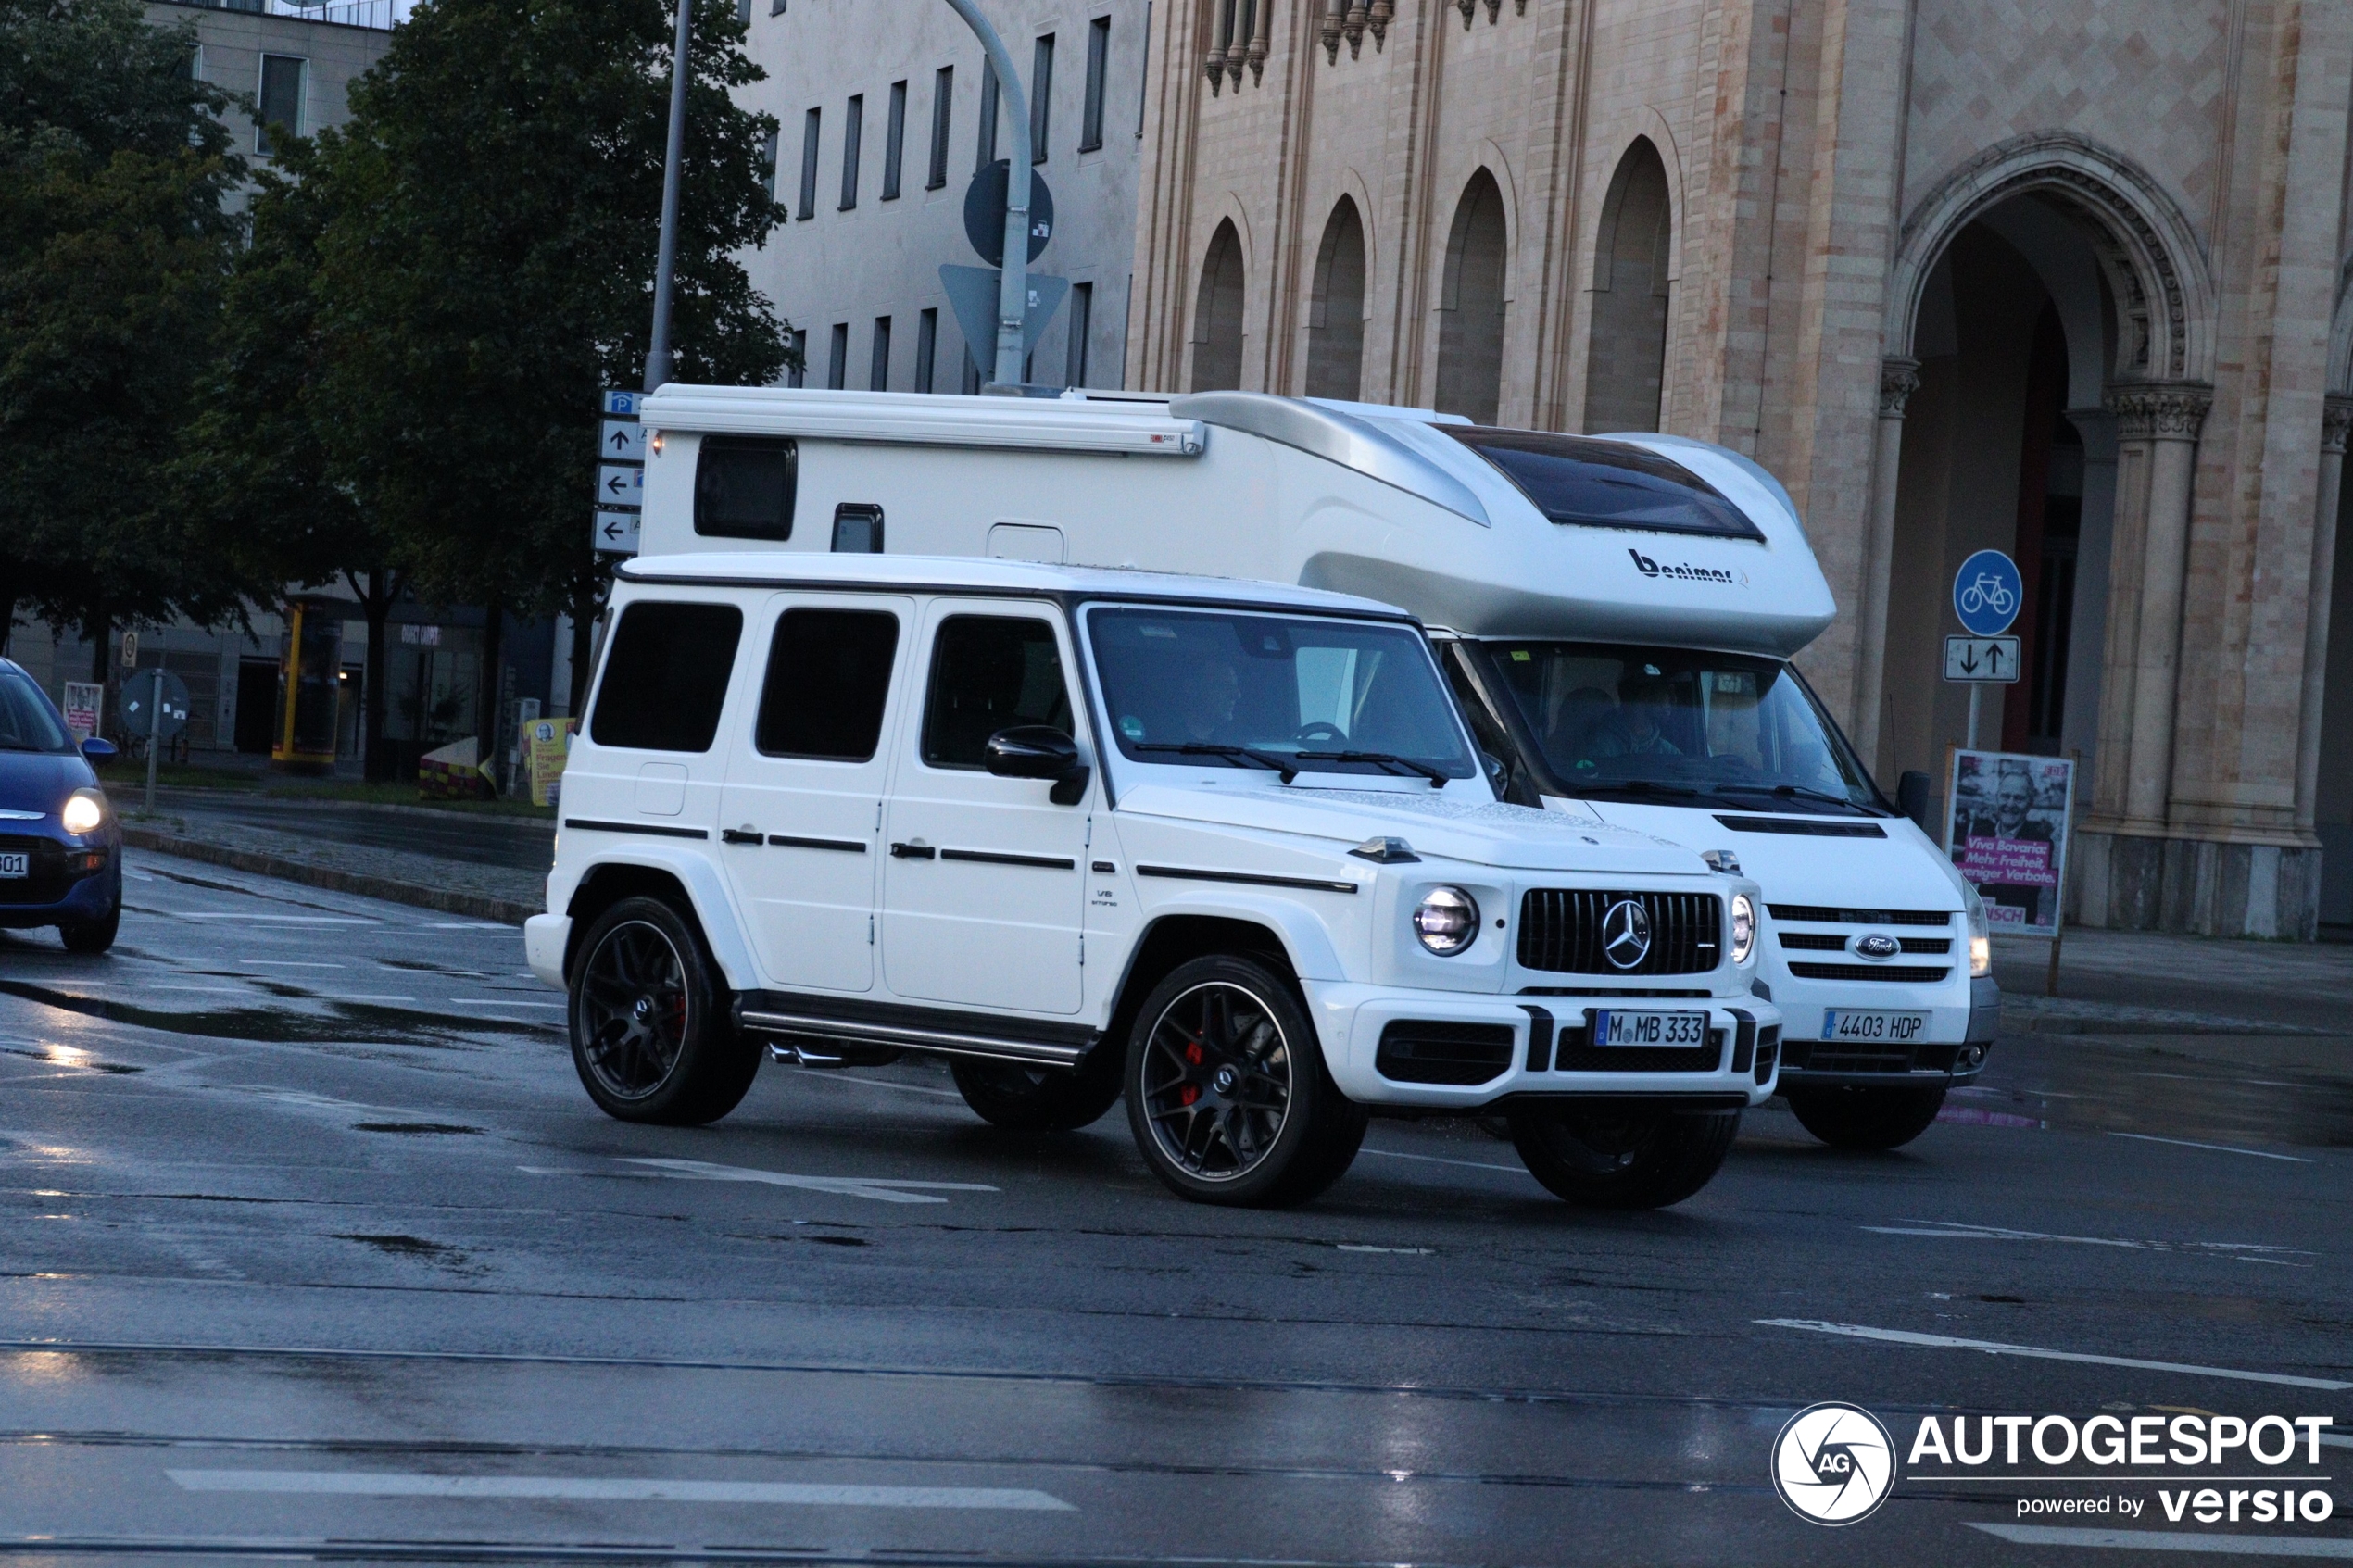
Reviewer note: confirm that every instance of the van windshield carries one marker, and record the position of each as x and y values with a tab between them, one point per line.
1298	693
1645	723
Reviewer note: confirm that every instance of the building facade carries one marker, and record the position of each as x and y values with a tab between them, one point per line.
2068	278
885	113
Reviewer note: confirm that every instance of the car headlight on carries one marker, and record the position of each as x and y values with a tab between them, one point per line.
1447	921
1744	928
85	811
1981	936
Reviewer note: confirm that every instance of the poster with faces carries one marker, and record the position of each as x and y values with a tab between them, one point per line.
2006	828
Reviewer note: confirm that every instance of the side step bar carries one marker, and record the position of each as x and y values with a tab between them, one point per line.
943	1042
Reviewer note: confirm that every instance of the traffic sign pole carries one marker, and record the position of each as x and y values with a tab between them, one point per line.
154	737
666	249
1013	286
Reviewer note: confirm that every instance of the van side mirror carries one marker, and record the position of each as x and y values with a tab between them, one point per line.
1911	796
97	749
1499	776
1041	751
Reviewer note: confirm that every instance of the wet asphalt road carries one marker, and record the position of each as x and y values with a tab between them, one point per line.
313	1245
521	843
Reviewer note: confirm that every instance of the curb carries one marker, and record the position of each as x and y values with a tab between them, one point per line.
479	906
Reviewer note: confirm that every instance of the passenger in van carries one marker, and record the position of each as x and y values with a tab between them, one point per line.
1638	727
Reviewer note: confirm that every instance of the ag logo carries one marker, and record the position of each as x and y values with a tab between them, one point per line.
1626	933
1833	1463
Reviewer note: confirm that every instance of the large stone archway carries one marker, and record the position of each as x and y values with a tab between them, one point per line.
2100	251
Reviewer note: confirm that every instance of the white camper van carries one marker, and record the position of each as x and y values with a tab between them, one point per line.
1617	614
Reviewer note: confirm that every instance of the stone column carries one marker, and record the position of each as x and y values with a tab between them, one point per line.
1899	378
2336	423
2166	415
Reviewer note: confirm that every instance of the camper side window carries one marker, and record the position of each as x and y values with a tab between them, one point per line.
743	486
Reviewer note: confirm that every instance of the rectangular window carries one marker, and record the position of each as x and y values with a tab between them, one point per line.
1041	97
895	141
745	486
853	126
810	125
926	348
857	529
666	677
799	375
943	99
743	12
1091	119
279	106
990	672
768	160
879	366
775	7
1082	322
829	682
837	357
986	153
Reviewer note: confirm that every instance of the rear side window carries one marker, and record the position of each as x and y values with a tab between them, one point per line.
828	680
666	677
743	486
1605	483
989	672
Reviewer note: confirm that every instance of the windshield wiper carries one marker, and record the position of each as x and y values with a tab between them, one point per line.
1437	776
1794	791
1218	748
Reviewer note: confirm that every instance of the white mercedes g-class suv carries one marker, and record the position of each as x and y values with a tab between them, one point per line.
1223	848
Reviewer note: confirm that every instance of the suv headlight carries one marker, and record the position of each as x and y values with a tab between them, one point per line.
85	811
1981	936
1743	927
1446	921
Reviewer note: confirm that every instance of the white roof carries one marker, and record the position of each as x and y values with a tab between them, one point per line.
967	574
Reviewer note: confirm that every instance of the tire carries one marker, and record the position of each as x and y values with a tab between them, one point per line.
1599	1158
1228	1094
92	935
651	1036
1867	1118
1038	1099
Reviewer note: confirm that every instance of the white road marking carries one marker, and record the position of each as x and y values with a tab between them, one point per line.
461	925
829	1077
1990	1346
1402	1251
2336	1440
2218	1147
382	1484
288	963
2170	1540
272	919
1958	1231
880	1189
1435	1159
363	996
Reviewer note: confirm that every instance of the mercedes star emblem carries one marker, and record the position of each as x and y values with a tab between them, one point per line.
1626	933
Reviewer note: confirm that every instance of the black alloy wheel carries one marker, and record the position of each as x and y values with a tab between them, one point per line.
1601	1157
651	1035
1226	1093
1865	1116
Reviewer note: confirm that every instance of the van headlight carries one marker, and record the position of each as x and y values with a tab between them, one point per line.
1981	935
1744	928
85	811
1446	921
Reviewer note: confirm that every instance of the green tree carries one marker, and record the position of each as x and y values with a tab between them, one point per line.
114	248
485	265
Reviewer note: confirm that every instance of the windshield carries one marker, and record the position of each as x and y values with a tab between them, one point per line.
1673	722
27	723
1298	692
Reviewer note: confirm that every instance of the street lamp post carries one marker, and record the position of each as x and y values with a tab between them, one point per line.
1013	286
666	257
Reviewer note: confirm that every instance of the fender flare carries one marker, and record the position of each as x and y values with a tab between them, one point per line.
714	911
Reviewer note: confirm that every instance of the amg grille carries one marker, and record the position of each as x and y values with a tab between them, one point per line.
1821	914
1913	974
1578	1056
1560	930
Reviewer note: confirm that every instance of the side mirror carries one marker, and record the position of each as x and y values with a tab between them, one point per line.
99	749
1041	751
1499	776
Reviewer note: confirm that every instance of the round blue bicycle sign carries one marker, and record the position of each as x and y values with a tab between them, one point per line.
1986	593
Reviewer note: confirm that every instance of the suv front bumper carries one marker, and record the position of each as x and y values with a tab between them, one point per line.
1370	1033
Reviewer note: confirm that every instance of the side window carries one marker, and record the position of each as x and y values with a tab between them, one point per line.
743	486
988	673
666	677
828	680
857	529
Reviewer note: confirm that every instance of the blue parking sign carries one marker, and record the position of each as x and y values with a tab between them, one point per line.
622	404
1987	593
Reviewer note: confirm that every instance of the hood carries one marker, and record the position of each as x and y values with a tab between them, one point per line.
1482	832
1902	870
40	780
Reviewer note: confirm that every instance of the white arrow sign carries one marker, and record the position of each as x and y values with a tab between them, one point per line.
616	533
623	442
1975	661
620	485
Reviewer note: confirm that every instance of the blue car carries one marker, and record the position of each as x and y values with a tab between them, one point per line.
60	847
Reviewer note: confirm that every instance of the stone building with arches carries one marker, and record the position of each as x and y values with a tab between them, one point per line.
2073	280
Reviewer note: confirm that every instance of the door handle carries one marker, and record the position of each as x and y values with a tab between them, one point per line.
739	836
913	849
